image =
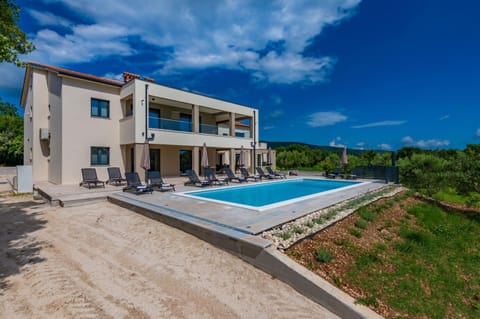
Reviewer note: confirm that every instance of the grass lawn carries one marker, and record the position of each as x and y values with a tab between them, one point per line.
411	260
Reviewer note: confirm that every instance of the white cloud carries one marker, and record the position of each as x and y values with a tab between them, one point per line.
325	118
384	147
478	132
113	76
383	123
48	19
432	143
335	142
266	39
444	117
86	43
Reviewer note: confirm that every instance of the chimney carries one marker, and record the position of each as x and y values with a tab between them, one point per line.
127	76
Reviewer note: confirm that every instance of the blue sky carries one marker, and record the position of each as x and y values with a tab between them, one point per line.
370	74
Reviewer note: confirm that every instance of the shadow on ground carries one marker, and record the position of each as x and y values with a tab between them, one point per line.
19	217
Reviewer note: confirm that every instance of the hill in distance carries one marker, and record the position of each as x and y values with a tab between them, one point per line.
339	150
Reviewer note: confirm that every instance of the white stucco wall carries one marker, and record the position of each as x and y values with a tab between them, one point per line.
81	130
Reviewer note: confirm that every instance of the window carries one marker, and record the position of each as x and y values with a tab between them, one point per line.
240	134
99	155
129	109
100	108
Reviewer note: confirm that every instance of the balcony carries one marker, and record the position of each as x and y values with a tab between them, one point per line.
168	124
209	129
179	125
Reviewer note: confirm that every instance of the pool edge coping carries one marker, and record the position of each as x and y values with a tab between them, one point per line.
265	208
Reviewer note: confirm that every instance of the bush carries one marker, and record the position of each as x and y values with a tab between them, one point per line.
367	215
355	232
323	255
361	223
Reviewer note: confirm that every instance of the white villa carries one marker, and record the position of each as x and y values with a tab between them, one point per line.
75	120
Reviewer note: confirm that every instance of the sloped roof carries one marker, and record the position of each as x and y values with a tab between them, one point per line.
76	74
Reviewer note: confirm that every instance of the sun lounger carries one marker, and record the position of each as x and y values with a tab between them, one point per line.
247	175
156	182
232	177
134	185
89	176
275	174
336	172
210	174
262	174
115	176
194	180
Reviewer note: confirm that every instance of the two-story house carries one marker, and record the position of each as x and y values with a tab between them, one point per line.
75	120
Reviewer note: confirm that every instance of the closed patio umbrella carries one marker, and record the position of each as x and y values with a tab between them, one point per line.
145	160
269	156
344	160
204	160
241	160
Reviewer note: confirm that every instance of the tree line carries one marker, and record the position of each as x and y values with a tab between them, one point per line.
445	173
11	135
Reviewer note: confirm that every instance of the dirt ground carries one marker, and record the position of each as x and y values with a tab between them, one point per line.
102	261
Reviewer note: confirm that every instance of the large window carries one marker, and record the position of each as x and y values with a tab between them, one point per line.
99	108
99	155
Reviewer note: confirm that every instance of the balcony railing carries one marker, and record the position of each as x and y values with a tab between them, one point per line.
186	126
168	124
209	129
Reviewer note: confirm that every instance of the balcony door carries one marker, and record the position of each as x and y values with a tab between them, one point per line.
185	122
154	118
185	160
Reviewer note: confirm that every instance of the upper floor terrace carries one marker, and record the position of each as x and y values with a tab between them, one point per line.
179	117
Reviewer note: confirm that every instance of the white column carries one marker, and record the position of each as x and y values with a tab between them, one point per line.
196	118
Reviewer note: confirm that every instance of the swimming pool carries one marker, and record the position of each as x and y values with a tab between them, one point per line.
270	194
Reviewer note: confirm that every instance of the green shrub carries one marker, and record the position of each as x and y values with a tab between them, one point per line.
284	235
341	242
298	230
368	301
361	223
310	224
367	215
355	232
323	255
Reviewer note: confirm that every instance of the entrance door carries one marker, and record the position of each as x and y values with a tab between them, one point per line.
154	159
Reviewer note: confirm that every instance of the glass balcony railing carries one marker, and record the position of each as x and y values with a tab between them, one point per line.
186	126
209	129
167	124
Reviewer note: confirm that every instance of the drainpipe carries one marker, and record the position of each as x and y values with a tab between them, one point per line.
146	113
254	143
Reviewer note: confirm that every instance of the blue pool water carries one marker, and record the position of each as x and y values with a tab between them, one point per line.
259	195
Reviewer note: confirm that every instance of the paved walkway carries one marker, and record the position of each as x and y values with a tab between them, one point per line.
243	219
